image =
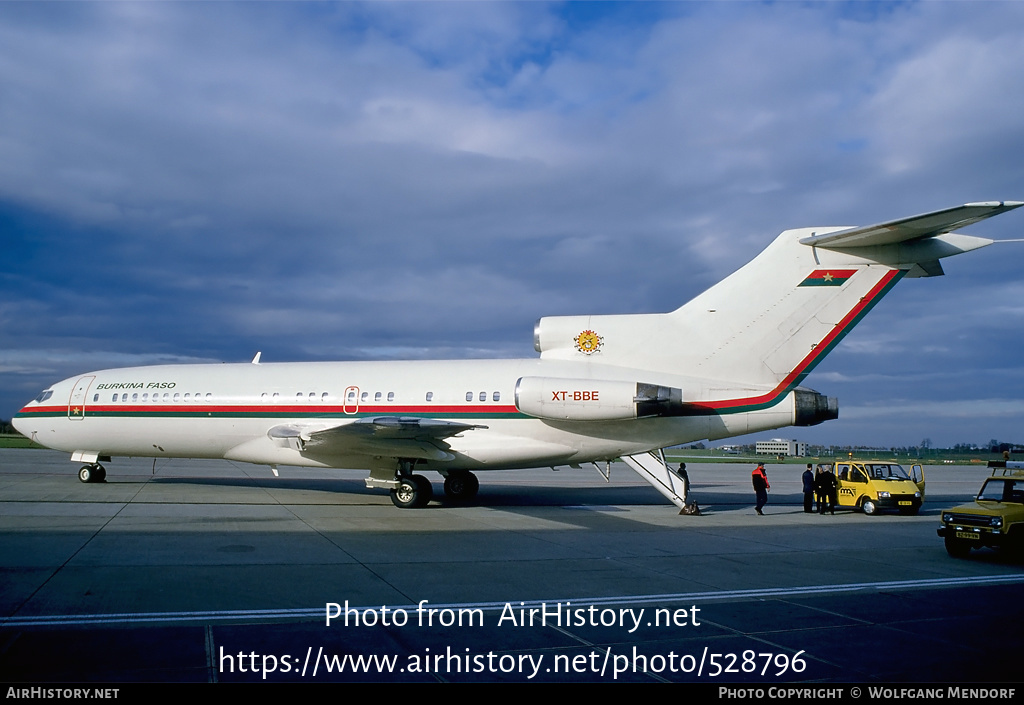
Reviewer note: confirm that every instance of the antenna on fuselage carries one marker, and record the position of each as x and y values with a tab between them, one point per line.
256	360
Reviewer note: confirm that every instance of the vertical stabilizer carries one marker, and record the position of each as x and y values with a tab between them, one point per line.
767	325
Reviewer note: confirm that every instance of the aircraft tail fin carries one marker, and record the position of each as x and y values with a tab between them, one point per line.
768	324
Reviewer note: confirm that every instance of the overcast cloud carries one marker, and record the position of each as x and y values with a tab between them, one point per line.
199	181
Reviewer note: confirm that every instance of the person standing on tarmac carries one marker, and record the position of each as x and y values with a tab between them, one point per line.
820	491
833	492
685	478
831	489
760	480
808	480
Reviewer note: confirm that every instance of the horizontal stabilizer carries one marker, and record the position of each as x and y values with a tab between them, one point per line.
917	227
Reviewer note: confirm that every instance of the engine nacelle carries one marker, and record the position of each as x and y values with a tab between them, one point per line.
565	399
559	332
812	408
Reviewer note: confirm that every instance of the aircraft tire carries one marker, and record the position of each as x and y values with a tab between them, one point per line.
461	486
414	492
869	507
92	473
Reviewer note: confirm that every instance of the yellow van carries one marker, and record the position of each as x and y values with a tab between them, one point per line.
874	485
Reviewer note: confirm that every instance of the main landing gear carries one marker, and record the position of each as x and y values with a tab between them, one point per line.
92	473
415	491
461	486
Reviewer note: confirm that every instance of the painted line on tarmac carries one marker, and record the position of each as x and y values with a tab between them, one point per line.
320	612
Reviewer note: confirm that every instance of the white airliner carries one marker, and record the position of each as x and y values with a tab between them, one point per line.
727	363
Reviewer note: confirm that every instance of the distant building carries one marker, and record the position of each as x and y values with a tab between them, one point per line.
781	446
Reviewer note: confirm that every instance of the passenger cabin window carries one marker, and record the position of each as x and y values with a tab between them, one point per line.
352	395
364	396
323	397
483	396
430	396
377	396
496	396
95	397
391	396
469	396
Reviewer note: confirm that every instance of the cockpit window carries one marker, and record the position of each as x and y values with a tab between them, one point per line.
43	396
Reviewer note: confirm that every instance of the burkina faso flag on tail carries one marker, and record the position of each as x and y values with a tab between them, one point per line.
828	277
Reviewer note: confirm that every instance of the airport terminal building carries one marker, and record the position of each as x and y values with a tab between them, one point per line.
781	446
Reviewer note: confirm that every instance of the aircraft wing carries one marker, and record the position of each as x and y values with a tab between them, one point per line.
393	436
917	227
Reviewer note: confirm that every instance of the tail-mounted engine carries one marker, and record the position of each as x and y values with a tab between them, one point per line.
812	408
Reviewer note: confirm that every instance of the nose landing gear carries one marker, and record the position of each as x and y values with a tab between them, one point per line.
92	473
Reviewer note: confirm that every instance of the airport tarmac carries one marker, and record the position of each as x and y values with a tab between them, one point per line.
195	571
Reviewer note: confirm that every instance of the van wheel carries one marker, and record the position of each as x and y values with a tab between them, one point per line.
869	506
958	548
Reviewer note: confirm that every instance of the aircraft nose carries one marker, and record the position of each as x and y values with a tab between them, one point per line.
19	423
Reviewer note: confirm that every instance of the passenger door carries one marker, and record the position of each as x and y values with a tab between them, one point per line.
847	490
79	396
917	475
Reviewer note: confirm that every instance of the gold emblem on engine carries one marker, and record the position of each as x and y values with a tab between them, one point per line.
588	342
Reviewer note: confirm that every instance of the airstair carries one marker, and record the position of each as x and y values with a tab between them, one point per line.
652	467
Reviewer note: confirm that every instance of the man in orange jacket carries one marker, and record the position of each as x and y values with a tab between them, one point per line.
761	487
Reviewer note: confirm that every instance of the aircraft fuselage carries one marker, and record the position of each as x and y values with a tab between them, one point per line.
225	411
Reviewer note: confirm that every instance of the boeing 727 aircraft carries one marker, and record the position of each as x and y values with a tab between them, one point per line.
729	362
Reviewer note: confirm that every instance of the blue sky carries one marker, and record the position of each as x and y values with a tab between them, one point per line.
199	181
